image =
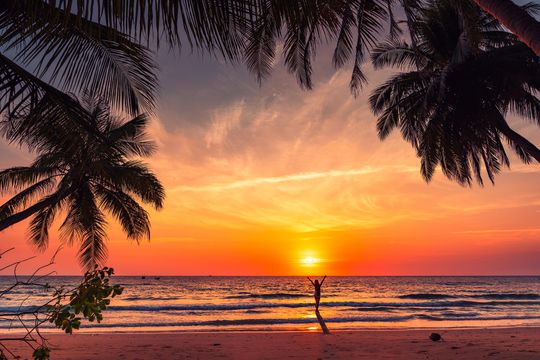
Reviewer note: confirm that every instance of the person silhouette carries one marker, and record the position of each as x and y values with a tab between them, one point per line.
317	293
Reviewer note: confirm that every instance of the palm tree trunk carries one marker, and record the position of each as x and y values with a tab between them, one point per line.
515	19
20	216
525	144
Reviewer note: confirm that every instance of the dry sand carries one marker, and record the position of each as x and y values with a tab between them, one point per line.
510	343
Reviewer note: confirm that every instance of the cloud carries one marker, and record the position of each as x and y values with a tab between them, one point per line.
499	231
305	161
223	123
285	178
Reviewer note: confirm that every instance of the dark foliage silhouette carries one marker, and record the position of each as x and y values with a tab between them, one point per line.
459	85
81	170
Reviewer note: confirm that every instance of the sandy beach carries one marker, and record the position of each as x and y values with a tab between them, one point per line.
509	343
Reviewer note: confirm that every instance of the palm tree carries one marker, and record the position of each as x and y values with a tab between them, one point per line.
459	84
51	48
513	17
81	173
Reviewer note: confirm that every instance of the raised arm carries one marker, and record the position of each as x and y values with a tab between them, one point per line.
322	281
311	281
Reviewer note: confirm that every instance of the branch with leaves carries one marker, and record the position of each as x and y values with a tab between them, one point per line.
65	309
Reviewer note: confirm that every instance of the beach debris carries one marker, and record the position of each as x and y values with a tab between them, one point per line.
435	337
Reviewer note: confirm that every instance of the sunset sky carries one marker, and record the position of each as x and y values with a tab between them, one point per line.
259	179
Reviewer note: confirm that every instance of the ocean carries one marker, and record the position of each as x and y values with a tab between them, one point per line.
286	303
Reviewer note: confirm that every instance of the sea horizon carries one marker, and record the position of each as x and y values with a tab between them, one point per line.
282	276
254	303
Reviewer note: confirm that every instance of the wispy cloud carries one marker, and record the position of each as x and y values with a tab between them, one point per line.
223	122
496	231
289	178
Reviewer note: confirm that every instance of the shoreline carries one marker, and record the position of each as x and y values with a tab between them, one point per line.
399	344
106	331
383	329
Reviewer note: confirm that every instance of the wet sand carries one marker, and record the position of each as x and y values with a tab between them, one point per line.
509	343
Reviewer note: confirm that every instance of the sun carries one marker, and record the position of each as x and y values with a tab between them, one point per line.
309	261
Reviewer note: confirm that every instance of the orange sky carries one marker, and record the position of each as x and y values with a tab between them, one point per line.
259	178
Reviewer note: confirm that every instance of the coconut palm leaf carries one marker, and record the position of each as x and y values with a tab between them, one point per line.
22	198
40	224
80	54
260	49
88	224
133	177
13	179
133	218
130	137
397	54
370	17
345	40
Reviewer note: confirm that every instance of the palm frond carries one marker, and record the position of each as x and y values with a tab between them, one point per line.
397	54
86	223
134	177
52	125
526	105
22	198
93	250
41	222
370	16
130	137
344	43
394	28
133	218
412	8
16	178
101	60
211	25
260	50
19	89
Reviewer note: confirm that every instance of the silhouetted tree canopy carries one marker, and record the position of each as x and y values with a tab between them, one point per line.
81	171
